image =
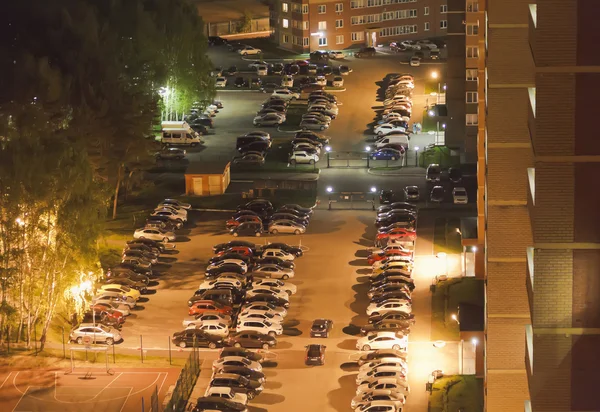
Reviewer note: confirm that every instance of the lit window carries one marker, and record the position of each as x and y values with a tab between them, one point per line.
426	10
305	25
322	41
358	36
472	119
305	9
339	39
472	97
426	26
443	8
305	41
322	25
472	51
531	91
339	7
285	23
286	38
284	7
472	6
443	24
322	9
472	75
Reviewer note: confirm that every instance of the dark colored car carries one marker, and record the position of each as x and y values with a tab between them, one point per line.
272	299
307	134
255	81
243	141
315	355
387	325
294	250
434	54
257	205
196	338
269	87
321	328
233	243
231	71
286	216
246	259
216	403
225	295
240	82
319	55
396	205
238	383
216	41
228	267
252	340
238	351
247	373
392	294
386	154
396	316
148	242
277	68
139	286
395	218
163	222
118	273
366	52
386	196
455	174
201	121
135	268
273	260
103	318
247	229
437	194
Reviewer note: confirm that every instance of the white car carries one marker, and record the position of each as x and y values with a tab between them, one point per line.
289	288
114	297
367	374
415	61
175	209
260	326
302	157
382	340
216	329
394	247
262	70
286	226
285	94
269	119
273	272
392	305
154	234
321	81
221	82
225	262
394	116
244	316
387	361
264	307
334	54
170	214
331	107
281	254
427	44
249	50
305	145
380	406
255	64
401	99
410	45
392	384
338	81
210	284
377	394
368	368
227	393
287	81
206	318
403	83
266	290
218	364
393	265
459	194
388	128
392	258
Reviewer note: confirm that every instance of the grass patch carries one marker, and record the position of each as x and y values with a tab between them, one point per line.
445	300
387	168
430	86
457	393
429	123
445	236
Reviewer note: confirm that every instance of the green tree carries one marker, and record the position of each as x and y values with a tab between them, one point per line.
245	25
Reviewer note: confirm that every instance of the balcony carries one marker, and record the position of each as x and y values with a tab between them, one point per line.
531	118
529	280
532	28
529	352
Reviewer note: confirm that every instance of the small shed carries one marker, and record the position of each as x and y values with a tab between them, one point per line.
208	178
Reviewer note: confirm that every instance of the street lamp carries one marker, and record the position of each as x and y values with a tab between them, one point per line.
329	189
328	150
435	75
20	222
368	148
416	156
474	249
373	189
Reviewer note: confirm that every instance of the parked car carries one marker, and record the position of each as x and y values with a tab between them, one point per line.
302	157
459	196
315	354
235	361
264	327
415	61
288	287
205	319
252	228
321	328
313	124
286	226
286	94
221	82
196	338
334	54
386	154
154	234
245	372
96	333
366	52
411	193
249	158
249	50
437	194
217	401
237	382
171	153
382	340
344	70
272	272
203	306
269	119
337	81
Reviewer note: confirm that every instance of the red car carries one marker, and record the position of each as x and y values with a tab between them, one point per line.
301	63
242	219
397	233
240	250
376	257
105	310
202	306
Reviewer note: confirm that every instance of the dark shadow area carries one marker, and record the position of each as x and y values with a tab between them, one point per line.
166	260
349	367
348	344
290	323
269	364
143	300
292	331
271	398
338	398
364	271
182	239
137	308
284	345
152	283
352	330
362	253
359	262
362	279
149	292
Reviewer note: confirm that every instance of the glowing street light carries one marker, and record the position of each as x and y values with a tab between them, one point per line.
368	148
474	341
474	248
434	75
431	113
329	189
328	149
20	222
416	156
373	189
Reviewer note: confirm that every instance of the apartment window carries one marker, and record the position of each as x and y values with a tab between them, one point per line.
472	51
357	4
357	20
398	30
285	23
322	41
443	8
322	9
305	9
443	24
339	39
339	23
471	97
339	7
305	25
426	26
426	10
472	75
284	7
472	29
322	25
358	36
472	6
472	119
305	41
374	3
286	38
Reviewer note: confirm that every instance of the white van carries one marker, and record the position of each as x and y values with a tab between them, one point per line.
179	133
397	139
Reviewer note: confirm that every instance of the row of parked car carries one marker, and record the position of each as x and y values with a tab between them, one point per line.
321	109
382	380
244	298
258	216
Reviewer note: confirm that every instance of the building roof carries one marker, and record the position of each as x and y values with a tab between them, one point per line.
468	227
215	167
470	317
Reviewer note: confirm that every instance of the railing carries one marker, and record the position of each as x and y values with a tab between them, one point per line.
185	383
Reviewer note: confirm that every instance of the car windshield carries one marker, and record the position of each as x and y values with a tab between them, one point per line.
268	324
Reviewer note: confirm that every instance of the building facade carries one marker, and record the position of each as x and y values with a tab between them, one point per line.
538	157
308	25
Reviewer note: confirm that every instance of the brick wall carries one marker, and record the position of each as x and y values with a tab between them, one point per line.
507	11
509	58
507	173
506	392
586	289
506	342
507	115
554	202
508	232
551	388
552	288
505	291
550	49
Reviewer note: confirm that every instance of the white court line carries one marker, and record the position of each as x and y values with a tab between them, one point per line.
163	382
125	401
15	385
21	398
5	379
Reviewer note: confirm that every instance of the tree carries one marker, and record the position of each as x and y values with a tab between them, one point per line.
245	25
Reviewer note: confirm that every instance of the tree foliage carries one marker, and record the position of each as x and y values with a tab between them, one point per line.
79	98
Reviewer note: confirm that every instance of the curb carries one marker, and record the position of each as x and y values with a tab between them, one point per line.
214	210
376	173
237	91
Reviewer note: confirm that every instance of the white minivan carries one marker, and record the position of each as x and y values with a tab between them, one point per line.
179	133
395	139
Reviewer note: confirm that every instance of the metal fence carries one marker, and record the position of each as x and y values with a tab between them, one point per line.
232	27
185	383
154	404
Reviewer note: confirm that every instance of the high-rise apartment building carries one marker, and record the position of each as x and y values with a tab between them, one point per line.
536	76
309	25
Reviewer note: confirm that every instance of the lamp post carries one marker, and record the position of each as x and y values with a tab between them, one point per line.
435	75
329	190
328	151
373	191
416	156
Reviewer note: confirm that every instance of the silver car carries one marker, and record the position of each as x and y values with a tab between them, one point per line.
286	226
115	297
273	272
171	153
97	333
269	119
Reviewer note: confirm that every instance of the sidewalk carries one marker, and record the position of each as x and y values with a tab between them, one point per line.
203	379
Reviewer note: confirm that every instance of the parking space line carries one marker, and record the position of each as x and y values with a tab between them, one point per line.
21	398
5	379
126	398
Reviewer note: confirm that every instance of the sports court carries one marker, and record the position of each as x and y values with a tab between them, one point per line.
86	389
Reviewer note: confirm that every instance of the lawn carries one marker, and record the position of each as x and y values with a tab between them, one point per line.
446	238
429	124
457	393
444	303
